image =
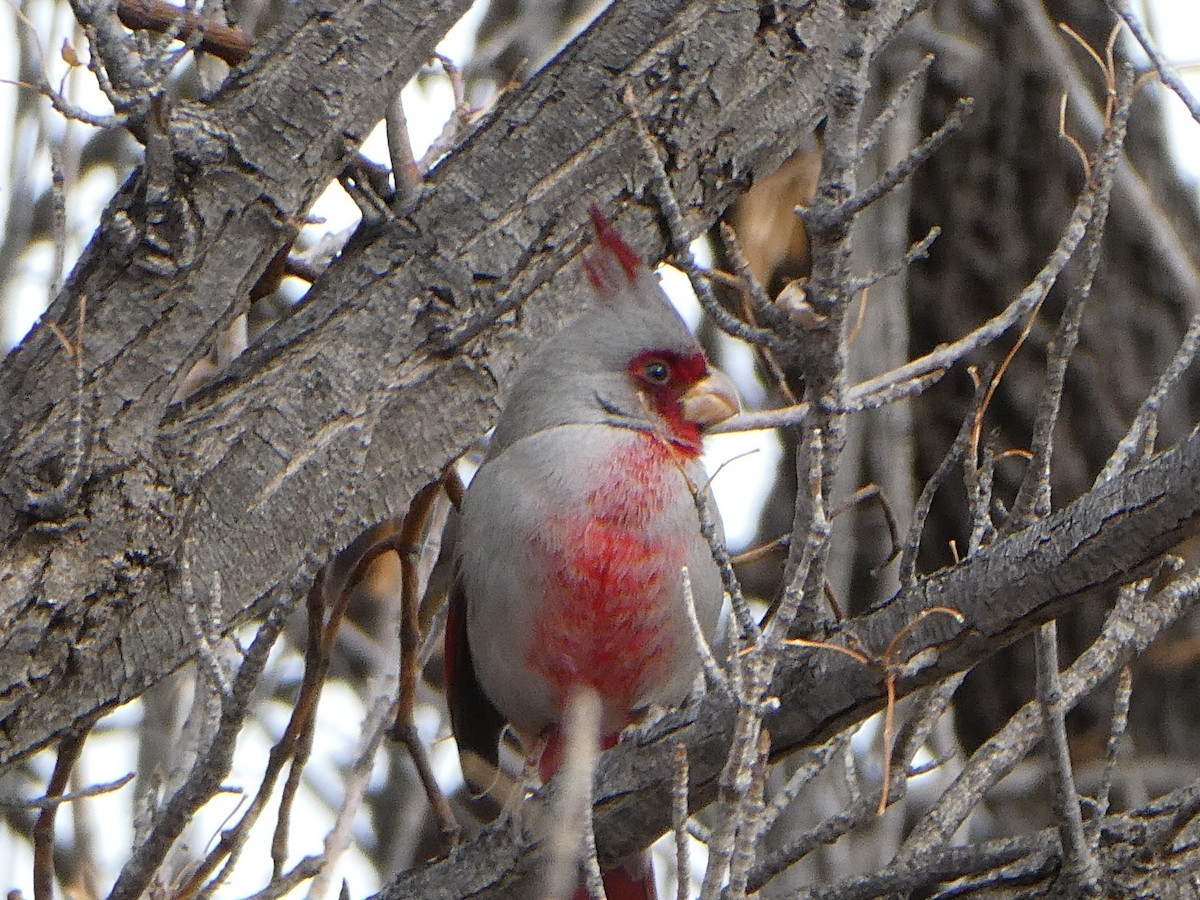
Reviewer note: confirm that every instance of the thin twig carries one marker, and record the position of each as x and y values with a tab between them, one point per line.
678	239
780	624
1145	422
918	251
719	550
572	814
1118	722
899	94
454	124
69	748
1165	72
766	313
714	675
946	355
206	775
1080	867
679	821
856	813
812	764
747	845
233	839
1033	497
95	790
57	99
1129	629
289	881
956	451
405	174
901	171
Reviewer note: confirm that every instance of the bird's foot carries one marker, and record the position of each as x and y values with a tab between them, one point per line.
511	816
519	789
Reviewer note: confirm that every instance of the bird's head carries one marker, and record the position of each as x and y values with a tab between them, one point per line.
629	361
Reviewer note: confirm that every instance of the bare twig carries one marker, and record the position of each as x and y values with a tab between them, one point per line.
678	239
572	814
1080	868
862	495
1033	497
405	174
756	307
956	452
204	631
812	763
444	142
232	713
380	712
859	810
679	821
713	673
69	748
1139	438
1118	722
1170	250
57	99
702	497
946	355
96	790
918	251
1165	72
1129	629
874	132
781	619
747	844
289	881
206	775
900	172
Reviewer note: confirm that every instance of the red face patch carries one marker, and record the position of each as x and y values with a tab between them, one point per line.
663	377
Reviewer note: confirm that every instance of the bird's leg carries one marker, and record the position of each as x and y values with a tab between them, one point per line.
532	778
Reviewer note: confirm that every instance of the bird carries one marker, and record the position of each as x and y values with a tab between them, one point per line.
576	528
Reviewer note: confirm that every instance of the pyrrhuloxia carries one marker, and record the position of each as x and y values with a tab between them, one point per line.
575	528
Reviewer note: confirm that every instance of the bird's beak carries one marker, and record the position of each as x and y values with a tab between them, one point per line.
711	400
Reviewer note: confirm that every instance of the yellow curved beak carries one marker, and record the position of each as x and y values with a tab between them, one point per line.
710	400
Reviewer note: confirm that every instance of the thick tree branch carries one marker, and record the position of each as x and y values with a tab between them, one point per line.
227	183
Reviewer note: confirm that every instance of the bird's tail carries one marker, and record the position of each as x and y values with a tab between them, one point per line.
630	879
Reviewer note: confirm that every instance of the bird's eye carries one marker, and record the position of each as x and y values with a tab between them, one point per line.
656	372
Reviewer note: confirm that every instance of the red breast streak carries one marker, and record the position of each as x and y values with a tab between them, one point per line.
613	583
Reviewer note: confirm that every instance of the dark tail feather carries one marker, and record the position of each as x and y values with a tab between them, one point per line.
629	880
475	721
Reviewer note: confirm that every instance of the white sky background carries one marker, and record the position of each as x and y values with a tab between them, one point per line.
740	486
